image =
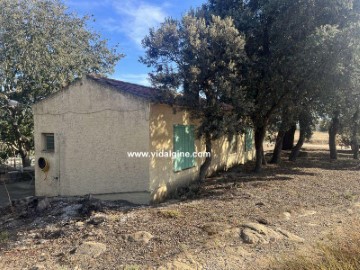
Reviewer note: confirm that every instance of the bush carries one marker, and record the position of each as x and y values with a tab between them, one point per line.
4	237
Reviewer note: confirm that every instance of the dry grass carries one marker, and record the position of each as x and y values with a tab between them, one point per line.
132	267
319	138
340	255
170	213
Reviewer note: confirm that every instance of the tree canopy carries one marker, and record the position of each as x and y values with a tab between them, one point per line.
203	56
299	59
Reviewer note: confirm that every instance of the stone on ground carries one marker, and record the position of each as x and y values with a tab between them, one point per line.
140	237
254	233
91	249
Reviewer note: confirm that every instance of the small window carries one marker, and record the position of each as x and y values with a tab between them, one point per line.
184	147
49	141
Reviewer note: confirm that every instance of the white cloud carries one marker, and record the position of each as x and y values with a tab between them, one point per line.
142	79
135	18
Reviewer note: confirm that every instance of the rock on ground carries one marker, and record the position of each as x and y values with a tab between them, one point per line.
254	233
141	236
91	249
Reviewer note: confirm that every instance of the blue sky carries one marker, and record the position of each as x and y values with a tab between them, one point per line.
126	22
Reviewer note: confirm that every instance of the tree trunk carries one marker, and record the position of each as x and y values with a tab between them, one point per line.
289	138
276	158
26	162
206	165
354	135
259	140
296	150
333	131
264	162
356	148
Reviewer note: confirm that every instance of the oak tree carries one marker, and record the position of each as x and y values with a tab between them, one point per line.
43	48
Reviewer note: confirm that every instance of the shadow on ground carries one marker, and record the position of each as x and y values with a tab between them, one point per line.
219	186
221	182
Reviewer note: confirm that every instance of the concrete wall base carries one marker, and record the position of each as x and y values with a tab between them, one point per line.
133	197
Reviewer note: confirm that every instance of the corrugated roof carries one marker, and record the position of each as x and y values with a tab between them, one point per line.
131	88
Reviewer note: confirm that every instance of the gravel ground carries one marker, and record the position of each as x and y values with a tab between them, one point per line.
312	199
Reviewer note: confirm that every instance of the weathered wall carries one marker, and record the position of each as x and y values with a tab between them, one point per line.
94	129
163	179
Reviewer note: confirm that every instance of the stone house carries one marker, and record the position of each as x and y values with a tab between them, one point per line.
86	133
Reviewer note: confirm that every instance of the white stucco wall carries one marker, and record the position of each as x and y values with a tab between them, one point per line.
94	128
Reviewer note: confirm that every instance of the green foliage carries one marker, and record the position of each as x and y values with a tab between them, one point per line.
16	126
42	49
200	56
299	52
277	62
4	237
170	213
347	136
4	153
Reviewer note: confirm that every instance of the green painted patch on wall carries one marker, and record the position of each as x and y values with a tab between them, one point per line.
249	138
184	146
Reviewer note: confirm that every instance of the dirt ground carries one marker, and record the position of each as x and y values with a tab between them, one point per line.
16	190
237	220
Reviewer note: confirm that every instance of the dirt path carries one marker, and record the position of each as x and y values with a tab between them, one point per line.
238	220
